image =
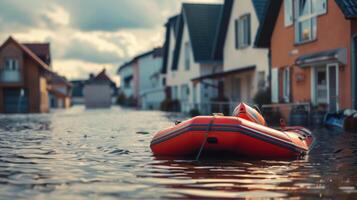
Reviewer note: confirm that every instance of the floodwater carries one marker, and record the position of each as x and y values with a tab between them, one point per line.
105	154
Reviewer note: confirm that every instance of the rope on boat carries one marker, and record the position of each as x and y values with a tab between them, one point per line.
205	139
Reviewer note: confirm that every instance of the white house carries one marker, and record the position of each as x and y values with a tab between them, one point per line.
191	56
98	91
245	68
151	86
125	72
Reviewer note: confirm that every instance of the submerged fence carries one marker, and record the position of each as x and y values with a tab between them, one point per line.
291	113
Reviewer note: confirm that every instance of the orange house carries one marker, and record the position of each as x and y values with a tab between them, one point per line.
23	79
312	51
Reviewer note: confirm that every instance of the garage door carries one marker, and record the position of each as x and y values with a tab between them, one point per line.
15	102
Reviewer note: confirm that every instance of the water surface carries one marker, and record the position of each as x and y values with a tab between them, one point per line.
81	154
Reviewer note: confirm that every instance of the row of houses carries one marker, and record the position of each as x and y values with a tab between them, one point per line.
282	52
28	83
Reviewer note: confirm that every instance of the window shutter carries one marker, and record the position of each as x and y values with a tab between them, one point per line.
274	85
248	30
236	33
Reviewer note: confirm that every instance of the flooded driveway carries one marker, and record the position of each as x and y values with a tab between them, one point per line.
81	154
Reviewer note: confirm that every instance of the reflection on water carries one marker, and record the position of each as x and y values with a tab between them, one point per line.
85	154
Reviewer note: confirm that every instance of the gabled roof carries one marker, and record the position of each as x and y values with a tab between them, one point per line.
42	50
101	78
177	47
27	52
170	26
202	22
156	52
222	30
266	28
259	7
58	79
348	7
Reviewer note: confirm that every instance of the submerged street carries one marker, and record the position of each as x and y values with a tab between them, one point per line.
80	154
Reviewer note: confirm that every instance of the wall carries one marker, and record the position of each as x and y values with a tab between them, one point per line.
182	76
239	58
125	72
97	95
333	31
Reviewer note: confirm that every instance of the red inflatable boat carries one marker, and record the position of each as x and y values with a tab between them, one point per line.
243	134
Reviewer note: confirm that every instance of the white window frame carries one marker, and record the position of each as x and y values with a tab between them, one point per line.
242	31
311	17
314	84
286	84
288	8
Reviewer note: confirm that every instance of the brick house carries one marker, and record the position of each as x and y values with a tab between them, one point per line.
312	52
23	79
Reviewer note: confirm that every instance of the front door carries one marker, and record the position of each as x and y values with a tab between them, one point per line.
332	76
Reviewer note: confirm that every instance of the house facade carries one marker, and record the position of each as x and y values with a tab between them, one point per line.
151	86
312	52
98	91
60	91
245	68
23	79
191	56
126	74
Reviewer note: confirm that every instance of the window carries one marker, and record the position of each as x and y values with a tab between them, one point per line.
185	92
306	12
288	12
275	85
286	84
11	65
261	80
127	82
187	56
10	71
174	92
242	31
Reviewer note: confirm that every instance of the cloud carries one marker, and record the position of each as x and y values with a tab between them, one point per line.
113	15
87	35
85	51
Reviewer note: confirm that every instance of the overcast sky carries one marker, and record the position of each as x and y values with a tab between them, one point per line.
87	35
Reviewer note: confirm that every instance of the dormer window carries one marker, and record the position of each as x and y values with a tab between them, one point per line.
10	71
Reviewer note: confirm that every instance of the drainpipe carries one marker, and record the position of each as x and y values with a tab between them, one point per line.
353	70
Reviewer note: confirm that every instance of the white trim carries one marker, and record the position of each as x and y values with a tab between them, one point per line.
312	85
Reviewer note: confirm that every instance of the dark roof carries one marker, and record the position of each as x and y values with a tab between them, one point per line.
170	25
259	7
348	7
27	52
102	77
222	30
224	73
42	50
202	23
58	79
177	47
266	28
